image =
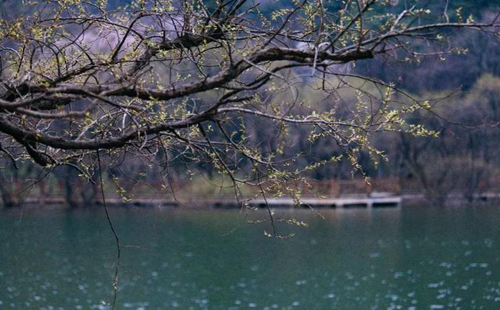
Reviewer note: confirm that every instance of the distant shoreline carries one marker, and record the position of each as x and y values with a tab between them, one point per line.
344	202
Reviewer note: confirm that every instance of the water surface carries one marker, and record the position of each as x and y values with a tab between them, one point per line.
411	258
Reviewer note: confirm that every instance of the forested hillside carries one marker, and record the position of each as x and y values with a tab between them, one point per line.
463	89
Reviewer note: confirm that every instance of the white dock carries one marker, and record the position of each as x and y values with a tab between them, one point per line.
341	202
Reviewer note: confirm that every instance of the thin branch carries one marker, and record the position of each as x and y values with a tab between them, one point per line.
117	239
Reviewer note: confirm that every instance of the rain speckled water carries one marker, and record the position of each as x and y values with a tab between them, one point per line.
413	258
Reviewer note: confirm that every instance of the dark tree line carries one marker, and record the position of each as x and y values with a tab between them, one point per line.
266	97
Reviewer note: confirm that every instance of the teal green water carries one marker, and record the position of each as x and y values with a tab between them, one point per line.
418	258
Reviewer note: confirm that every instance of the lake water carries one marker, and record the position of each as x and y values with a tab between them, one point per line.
410	258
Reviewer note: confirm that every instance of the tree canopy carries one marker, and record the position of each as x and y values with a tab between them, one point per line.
219	82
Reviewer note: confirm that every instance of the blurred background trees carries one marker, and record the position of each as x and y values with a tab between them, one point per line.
457	77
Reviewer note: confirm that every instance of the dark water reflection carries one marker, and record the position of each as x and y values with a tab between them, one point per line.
420	258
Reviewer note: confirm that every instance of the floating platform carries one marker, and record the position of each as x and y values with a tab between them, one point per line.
342	202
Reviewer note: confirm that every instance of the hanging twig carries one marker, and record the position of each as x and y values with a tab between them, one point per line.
117	239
